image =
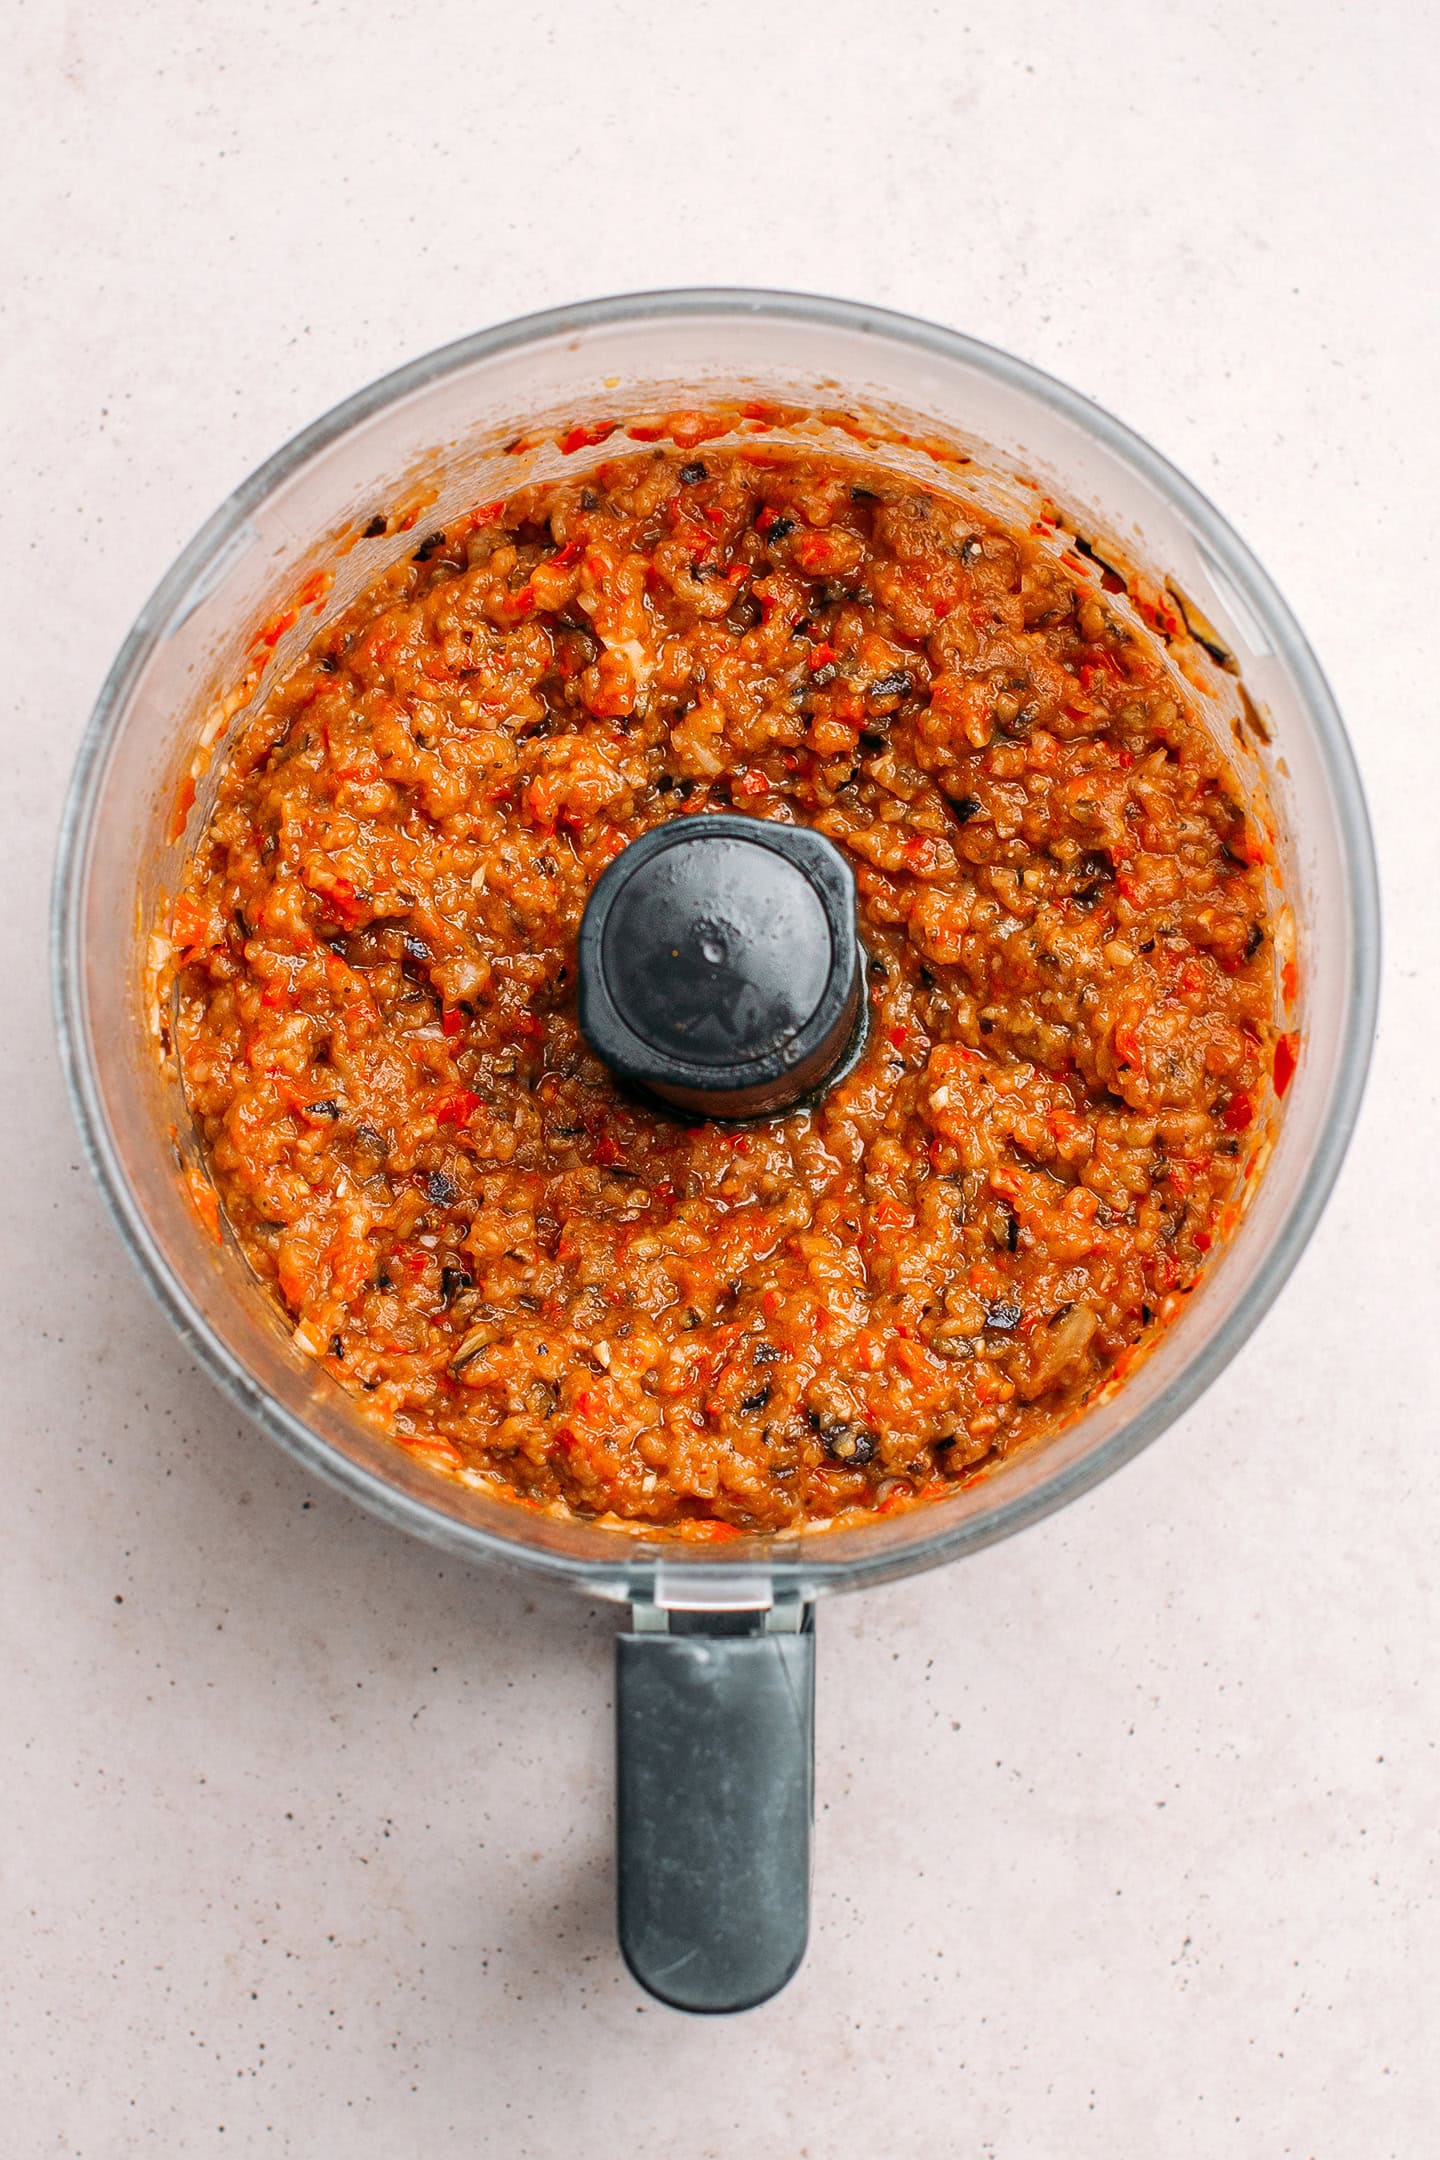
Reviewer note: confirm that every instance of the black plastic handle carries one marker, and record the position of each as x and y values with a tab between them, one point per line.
715	1798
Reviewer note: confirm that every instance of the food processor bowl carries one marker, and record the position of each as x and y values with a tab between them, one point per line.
716	1680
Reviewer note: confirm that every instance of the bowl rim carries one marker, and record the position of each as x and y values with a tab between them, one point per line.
790	1562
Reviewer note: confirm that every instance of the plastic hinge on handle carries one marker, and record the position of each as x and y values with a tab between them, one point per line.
715	1734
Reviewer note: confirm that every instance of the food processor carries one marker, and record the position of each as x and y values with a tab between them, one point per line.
716	1671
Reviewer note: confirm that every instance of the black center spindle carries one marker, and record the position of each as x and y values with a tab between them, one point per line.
719	966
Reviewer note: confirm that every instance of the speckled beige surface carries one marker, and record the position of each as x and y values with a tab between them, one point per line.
1128	1833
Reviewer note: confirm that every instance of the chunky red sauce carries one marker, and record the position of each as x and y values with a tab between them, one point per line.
535	1280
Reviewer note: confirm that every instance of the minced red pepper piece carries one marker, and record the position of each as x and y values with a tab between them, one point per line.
585	435
456	1107
1287	1056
